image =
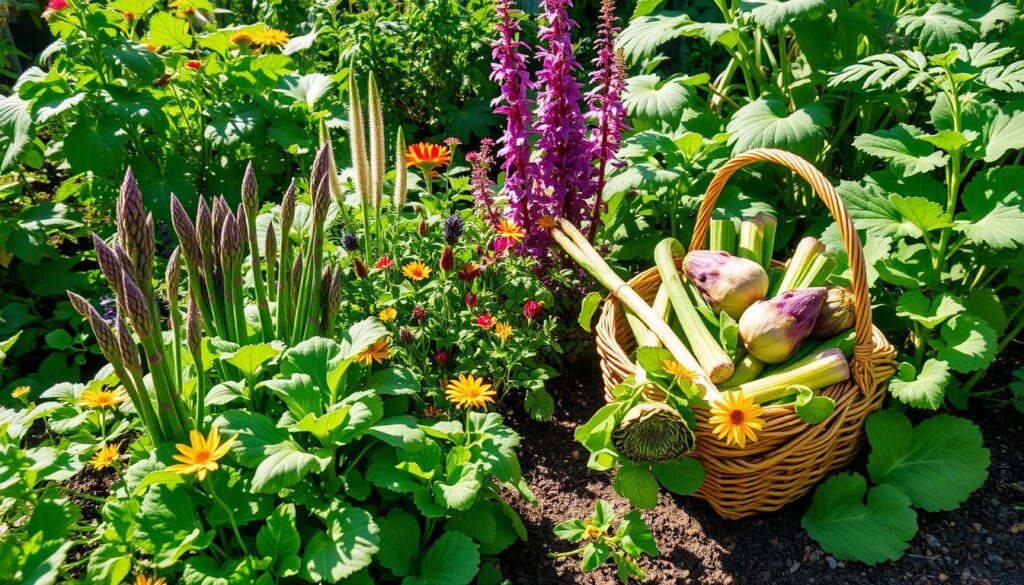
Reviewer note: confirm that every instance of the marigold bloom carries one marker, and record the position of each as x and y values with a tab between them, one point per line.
377	352
470	392
20	391
202	456
503	331
416	271
736	417
102	398
547	222
105	456
387	314
469	271
240	39
677	370
384	263
427	157
509	234
143	580
269	37
486	321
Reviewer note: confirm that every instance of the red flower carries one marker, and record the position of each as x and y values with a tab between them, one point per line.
441	357
55	5
359	267
384	263
486	321
469	271
419	313
447	259
128	15
471	300
532	309
422	228
193	64
509	234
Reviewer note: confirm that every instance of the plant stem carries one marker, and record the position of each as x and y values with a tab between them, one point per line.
231	516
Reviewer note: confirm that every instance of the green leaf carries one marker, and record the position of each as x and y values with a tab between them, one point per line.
279	540
928	312
949	140
166	30
306	89
650	359
539	404
775	14
230	125
985	304
454	559
399	431
638	485
572	530
840	521
59	339
926	215
683	476
937	464
922	390
314	357
649	96
399	541
257	434
636	536
394	381
813	409
939	27
250	357
995	208
588	307
108	565
97	146
348	545
871	210
460	490
967	344
15	130
645	34
284	465
360	336
901	148
768	123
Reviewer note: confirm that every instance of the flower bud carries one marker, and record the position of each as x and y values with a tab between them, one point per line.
359	267
350	241
422	228
728	283
447	259
772	330
471	300
836	313
419	314
406	335
441	357
532	309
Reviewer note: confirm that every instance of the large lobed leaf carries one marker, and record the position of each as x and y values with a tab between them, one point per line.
767	123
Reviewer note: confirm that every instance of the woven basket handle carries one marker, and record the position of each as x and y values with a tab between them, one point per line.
861	364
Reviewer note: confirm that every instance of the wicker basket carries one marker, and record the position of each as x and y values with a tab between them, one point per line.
790	456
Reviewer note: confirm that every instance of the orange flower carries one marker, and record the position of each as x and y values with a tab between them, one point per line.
503	331
509	234
547	222
416	271
427	157
20	391
677	370
269	37
102	398
379	351
202	456
241	39
144	580
469	271
433	412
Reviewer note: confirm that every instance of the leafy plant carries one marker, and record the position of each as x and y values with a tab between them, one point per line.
631	539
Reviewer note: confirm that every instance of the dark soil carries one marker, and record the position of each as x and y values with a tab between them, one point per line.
981	542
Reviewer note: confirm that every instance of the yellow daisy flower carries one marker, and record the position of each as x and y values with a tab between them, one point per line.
202	455
677	370
20	391
269	37
470	392
416	271
105	456
378	352
387	314
102	398
503	331
240	39
736	417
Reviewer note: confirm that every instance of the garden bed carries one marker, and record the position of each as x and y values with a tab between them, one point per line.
981	542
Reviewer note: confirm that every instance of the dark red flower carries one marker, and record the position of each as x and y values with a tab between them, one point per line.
447	259
419	313
441	357
406	335
422	228
193	64
532	309
359	267
486	321
469	271
471	300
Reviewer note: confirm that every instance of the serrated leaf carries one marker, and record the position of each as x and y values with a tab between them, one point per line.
871	209
539	404
347	546
939	26
995	208
249	358
774	14
924	214
937	464
453	559
949	140
399	541
279	540
901	148
1003	134
167	30
649	96
636	484
645	34
767	123
967	345
97	146
850	529
928	312
921	390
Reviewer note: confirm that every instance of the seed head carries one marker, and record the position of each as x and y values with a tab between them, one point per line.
127	348
193	327
350	241
173	275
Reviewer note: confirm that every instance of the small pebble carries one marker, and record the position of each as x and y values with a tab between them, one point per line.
832	564
1017	528
794	567
943	577
932	541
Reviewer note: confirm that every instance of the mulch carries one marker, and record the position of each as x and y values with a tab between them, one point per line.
982	542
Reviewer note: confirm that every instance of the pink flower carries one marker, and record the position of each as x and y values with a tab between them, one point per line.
193	64
55	5
532	309
485	321
384	263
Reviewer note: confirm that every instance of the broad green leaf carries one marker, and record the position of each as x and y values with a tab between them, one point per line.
42	565
399	431
682	476
901	148
949	140
250	358
967	344
649	96
636	484
572	530
641	39
813	409
166	30
203	570
775	14
97	146
230	125
985	304
995	208
393	381
15	130
636	536
168	526
539	404
1003	134
348	545
461	488
109	565
767	123
298	394
306	89
360	336
284	465
939	26
924	389
850	529
399	541
928	312
59	339
453	559
588	307
871	210
279	540
937	464
257	435
314	357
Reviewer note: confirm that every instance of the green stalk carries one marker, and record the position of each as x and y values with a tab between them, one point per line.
817	273
266	324
644	336
576	245
806	251
705	347
817	371
747	368
843	341
239	301
751	243
722	236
